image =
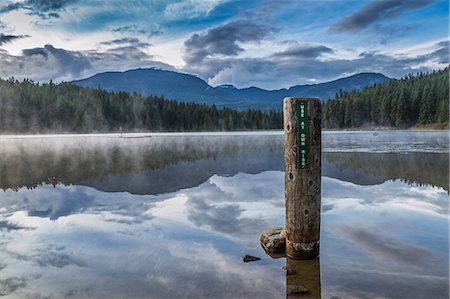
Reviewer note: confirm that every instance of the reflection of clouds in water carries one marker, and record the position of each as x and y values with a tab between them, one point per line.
339	196
61	201
254	280
178	244
11	284
57	259
85	246
234	205
221	218
366	283
267	186
386	247
156	267
46	201
384	241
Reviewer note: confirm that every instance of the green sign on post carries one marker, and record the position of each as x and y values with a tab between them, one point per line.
302	121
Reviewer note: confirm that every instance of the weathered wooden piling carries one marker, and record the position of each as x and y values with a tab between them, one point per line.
302	140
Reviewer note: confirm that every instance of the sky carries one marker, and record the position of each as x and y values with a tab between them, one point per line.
265	43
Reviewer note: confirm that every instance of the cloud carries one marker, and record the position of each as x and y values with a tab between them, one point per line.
133	29
390	32
285	69
48	62
4	38
11	284
8	226
303	52
44	9
376	11
190	9
224	39
135	42
441	54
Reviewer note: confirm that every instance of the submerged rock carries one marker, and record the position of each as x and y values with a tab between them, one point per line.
289	271
295	290
249	258
274	240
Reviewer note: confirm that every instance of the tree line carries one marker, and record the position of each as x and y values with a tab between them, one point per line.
29	107
413	100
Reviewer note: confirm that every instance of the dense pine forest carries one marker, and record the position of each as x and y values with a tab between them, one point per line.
412	101
28	107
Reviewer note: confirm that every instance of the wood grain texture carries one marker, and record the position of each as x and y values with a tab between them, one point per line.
302	187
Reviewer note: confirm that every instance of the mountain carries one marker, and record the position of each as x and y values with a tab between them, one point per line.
185	87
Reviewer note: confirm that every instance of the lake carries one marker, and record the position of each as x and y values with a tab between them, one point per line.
170	215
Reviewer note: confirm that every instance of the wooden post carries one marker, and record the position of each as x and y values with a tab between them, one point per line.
302	134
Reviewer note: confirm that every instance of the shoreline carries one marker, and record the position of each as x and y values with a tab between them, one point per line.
427	127
206	133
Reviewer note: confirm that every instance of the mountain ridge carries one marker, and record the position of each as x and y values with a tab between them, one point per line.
186	87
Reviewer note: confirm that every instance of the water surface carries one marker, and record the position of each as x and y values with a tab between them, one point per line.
168	216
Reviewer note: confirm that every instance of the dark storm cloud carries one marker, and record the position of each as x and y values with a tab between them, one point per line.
224	39
127	40
45	9
377	11
303	52
133	29
6	38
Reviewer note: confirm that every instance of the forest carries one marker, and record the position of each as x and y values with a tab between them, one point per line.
29	107
411	101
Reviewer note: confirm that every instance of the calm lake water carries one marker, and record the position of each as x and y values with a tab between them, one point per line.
169	216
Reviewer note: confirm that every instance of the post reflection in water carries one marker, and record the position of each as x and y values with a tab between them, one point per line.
303	278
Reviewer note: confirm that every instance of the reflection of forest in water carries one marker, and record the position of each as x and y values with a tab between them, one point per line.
164	164
375	168
166	160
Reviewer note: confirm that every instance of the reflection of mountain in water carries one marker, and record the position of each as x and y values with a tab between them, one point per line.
137	165
376	168
165	164
187	174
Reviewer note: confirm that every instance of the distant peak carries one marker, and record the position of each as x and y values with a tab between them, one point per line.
226	86
367	74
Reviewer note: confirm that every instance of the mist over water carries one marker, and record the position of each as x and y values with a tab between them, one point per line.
169	215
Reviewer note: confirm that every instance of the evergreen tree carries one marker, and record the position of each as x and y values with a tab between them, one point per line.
413	100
